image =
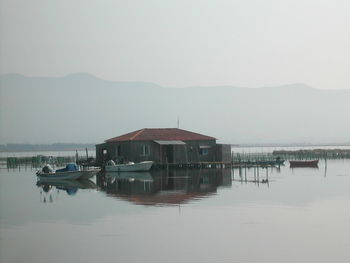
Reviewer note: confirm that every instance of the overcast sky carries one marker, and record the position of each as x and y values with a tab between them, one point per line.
180	43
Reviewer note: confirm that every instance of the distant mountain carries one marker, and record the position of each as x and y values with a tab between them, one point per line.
82	108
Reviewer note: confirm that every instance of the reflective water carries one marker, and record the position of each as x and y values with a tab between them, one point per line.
299	215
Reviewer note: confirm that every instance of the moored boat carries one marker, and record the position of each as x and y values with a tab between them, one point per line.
313	163
128	167
70	172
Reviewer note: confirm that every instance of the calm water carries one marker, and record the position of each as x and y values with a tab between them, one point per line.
301	215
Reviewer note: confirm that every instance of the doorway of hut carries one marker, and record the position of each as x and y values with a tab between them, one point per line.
169	153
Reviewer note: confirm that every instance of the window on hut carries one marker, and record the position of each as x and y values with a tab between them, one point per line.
145	150
203	151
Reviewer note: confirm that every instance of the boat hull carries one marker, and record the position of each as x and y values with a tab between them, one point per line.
136	167
69	175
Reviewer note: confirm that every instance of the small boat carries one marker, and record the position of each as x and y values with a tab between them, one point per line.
70	172
313	163
128	167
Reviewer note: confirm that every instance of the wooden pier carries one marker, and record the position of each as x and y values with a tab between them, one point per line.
212	165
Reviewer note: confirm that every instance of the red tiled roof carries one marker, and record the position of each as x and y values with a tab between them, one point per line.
168	134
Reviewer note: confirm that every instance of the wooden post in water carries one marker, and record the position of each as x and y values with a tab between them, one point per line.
87	155
254	173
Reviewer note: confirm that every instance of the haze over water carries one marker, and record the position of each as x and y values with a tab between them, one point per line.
182	216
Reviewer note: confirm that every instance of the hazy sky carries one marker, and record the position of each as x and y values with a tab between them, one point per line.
180	42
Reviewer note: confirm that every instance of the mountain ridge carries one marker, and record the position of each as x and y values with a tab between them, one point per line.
82	108
85	76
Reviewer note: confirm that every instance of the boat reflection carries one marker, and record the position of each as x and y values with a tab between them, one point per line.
49	190
170	187
130	176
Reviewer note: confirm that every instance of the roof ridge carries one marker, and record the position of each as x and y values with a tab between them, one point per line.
161	134
137	134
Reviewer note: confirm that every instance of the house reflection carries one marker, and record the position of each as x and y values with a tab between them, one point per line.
164	187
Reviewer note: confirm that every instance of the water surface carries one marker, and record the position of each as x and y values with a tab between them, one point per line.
300	215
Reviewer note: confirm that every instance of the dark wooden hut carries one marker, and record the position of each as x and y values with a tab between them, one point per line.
169	145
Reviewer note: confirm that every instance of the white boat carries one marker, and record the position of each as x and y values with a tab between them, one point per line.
128	167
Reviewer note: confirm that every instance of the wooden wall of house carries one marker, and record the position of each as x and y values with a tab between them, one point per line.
136	154
189	153
99	153
223	153
194	155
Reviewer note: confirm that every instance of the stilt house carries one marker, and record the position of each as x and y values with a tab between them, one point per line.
169	145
